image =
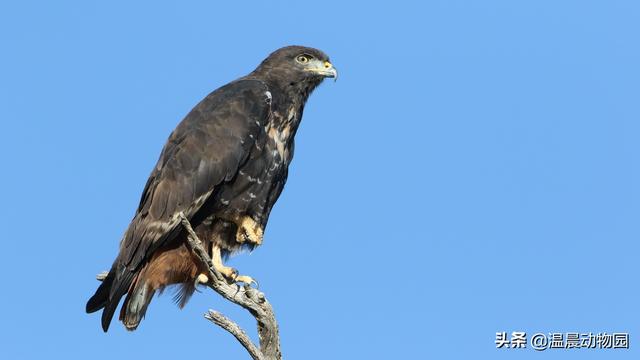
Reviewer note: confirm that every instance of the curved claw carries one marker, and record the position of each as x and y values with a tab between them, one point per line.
247	280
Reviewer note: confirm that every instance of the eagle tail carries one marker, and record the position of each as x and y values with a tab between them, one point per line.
101	297
135	304
109	293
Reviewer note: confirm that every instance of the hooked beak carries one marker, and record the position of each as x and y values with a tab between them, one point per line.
325	69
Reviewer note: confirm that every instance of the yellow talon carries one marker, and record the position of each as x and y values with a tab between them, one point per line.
202	279
246	279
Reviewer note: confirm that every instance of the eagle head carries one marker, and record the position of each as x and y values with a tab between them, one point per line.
295	65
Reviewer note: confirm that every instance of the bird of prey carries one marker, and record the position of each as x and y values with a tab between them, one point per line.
223	167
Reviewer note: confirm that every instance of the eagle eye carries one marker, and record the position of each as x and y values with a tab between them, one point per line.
303	59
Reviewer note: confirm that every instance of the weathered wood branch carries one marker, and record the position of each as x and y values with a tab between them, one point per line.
233	328
102	276
247	297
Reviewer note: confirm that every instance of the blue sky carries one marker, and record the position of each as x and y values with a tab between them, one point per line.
474	170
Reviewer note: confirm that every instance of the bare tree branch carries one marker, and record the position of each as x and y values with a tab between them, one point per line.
102	276
247	297
224	322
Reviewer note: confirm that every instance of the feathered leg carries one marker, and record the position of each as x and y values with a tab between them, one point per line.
228	272
249	230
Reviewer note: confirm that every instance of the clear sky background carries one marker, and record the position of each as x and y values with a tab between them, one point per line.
473	170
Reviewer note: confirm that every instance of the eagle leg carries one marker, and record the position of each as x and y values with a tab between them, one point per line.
249	230
216	258
228	272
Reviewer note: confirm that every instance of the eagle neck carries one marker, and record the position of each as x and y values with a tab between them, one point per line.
289	100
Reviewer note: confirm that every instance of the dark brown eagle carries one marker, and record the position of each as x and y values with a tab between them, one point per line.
223	167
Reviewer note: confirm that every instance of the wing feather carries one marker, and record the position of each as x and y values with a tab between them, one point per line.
205	150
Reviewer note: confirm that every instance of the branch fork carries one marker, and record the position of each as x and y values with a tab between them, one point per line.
247	297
